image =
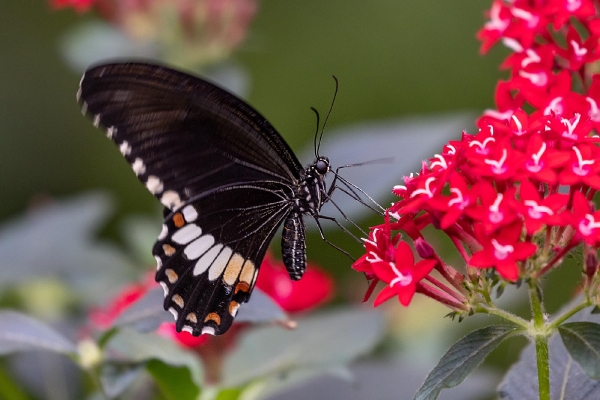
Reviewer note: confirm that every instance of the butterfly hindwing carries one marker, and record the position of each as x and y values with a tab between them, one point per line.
209	252
183	136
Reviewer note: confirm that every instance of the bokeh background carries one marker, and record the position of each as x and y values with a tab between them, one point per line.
410	74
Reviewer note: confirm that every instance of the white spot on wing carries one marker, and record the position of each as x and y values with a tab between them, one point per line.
158	263
78	96
234	310
187	328
154	184
171	199
163	232
198	247
217	269
125	148
84	108
138	166
190	213
110	132
219	263
174	312
97	120
165	288
187	234
208	330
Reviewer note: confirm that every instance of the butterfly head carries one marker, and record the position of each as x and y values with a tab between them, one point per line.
321	166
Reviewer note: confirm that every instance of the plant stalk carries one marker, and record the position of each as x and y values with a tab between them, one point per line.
541	341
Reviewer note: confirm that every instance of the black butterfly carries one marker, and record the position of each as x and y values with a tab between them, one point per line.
226	177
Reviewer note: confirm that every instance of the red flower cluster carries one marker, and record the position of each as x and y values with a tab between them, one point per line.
204	30
515	197
314	289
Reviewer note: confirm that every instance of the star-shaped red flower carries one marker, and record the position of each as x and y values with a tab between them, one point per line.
401	275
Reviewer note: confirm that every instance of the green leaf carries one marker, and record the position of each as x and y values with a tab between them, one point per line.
129	346
462	358
174	382
58	241
9	389
19	332
261	308
279	383
582	340
116	379
329	339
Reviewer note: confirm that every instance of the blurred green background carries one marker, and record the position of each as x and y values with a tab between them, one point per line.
393	58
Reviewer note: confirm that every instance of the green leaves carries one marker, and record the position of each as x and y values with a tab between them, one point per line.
19	332
582	340
462	358
177	372
325	341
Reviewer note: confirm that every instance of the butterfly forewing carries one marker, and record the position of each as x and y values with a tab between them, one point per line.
224	173
182	135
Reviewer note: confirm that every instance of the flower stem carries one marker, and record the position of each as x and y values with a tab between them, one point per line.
504	315
541	352
558	321
541	341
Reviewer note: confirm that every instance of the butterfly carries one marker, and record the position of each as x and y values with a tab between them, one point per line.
226	177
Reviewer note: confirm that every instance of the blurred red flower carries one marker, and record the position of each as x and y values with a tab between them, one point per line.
80	6
314	289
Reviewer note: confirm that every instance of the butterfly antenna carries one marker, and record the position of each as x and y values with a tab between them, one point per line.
337	85
316	133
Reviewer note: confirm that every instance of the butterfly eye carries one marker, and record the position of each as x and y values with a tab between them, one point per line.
322	166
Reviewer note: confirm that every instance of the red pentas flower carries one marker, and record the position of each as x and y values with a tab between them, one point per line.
103	318
314	289
502	251
401	275
515	197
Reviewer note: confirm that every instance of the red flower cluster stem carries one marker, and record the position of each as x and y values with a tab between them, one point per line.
515	197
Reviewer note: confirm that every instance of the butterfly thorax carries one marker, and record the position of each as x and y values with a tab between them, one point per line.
311	193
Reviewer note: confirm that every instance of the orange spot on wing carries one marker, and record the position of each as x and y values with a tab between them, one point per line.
168	249
243	286
178	220
192	317
213	317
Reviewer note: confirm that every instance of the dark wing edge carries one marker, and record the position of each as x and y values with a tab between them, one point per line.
165	121
209	254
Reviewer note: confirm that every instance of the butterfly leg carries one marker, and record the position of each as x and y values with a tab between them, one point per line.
349	220
327	241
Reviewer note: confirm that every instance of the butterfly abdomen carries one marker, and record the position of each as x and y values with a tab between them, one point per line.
293	245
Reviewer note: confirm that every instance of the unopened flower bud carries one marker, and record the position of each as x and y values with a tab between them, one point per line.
591	264
424	249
